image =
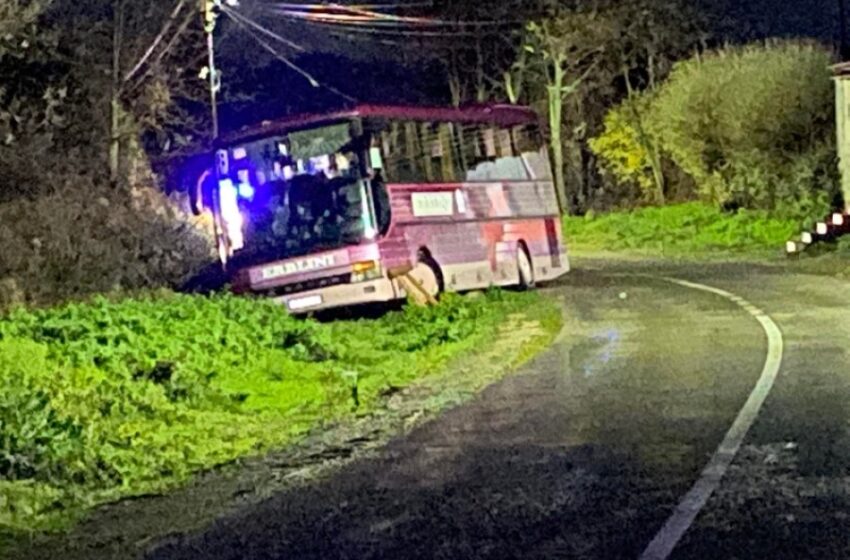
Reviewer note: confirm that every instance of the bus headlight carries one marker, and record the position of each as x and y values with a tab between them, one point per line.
365	271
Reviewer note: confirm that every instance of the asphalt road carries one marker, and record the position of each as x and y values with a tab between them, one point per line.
588	450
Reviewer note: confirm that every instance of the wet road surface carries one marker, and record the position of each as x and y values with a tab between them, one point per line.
587	451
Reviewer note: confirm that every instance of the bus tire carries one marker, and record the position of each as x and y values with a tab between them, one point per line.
524	268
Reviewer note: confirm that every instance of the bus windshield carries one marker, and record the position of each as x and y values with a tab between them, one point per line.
295	194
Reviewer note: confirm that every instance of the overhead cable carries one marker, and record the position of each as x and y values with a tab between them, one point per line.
376	6
279	56
236	16
339	13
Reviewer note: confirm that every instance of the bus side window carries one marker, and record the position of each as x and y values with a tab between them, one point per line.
500	156
483	163
419	152
423	152
388	139
531	147
447	153
460	139
399	142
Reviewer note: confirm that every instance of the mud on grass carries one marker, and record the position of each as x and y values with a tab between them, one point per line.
449	376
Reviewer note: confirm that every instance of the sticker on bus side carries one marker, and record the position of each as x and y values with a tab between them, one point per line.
433	204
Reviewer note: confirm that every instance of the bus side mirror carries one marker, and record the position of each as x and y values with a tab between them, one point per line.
196	193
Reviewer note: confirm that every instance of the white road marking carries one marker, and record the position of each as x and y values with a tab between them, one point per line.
690	505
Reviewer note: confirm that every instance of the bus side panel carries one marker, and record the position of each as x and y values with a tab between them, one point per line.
457	247
542	238
476	243
547	247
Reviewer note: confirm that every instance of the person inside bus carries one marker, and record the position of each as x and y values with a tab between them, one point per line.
381	200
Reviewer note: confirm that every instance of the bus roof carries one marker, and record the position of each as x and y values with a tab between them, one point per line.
499	114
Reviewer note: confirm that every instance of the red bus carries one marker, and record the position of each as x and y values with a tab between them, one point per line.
327	210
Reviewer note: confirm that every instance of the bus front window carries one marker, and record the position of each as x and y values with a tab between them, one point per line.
297	194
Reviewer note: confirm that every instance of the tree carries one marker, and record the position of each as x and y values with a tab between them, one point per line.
16	17
623	152
33	95
146	74
750	127
653	34
580	59
564	49
478	52
136	64
753	126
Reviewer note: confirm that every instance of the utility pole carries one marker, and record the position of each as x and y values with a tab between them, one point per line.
118	17
845	41
210	11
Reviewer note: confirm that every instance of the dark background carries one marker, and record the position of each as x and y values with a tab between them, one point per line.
393	69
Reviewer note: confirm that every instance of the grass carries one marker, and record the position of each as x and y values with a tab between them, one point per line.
111	399
827	259
683	230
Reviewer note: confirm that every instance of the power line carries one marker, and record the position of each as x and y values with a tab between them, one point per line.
274	52
358	15
384	6
366	31
386	28
264	30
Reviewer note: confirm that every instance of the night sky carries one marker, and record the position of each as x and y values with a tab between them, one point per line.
759	19
370	72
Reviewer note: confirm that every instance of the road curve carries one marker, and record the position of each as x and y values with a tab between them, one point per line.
587	452
584	454
692	503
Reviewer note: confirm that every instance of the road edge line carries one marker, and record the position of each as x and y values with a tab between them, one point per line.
665	541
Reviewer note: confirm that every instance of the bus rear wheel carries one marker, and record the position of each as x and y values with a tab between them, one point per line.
525	268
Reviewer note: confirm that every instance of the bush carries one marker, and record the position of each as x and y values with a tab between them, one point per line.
65	232
740	121
87	238
117	397
620	150
36	439
752	126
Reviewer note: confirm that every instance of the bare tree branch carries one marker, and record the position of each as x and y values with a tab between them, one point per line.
169	47
156	42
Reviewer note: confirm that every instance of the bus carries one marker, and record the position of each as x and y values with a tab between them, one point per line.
345	208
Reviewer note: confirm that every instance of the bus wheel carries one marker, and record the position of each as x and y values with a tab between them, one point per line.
526	270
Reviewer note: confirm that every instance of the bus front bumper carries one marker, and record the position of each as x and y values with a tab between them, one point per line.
373	291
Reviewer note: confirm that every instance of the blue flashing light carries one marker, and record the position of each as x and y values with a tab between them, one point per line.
246	191
226	188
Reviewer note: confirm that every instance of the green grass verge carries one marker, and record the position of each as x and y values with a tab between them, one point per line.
691	229
111	399
827	259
